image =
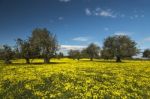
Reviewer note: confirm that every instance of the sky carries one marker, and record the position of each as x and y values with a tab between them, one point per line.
76	23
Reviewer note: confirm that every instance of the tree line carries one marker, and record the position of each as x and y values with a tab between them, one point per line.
118	46
43	44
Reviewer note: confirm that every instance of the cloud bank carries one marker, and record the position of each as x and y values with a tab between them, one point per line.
72	47
83	39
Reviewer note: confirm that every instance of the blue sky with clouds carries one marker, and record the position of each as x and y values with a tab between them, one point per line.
76	22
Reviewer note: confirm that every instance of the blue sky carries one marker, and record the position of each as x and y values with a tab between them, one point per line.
76	22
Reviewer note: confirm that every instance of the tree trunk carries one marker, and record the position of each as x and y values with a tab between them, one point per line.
7	61
118	59
46	60
91	59
27	61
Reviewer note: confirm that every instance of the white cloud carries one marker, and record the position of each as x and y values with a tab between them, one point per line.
73	47
123	33
83	39
98	43
66	48
100	12
87	11
1	46
106	13
65	1
112	14
120	33
60	18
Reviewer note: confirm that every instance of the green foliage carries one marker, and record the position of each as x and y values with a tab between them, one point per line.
119	46
59	55
6	54
26	50
75	54
42	43
45	41
107	54
146	53
93	51
84	53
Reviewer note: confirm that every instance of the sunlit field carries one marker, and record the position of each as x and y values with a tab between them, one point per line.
66	78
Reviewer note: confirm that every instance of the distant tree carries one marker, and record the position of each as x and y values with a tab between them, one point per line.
1	53
146	53
6	54
119	46
46	42
17	53
75	54
59	55
71	54
84	53
92	51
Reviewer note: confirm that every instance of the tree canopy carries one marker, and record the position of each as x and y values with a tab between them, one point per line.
119	46
26	50
92	51
146	53
6	54
74	54
46	41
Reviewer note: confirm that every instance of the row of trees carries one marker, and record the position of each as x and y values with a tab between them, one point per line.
92	51
43	44
118	46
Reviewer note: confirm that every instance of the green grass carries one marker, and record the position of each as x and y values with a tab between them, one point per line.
66	78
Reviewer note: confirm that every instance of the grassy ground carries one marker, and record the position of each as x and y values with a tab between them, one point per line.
65	78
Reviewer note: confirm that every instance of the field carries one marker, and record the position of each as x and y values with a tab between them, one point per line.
66	78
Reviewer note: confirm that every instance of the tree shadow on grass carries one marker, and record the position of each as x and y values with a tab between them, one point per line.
102	61
55	84
108	61
16	90
30	89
